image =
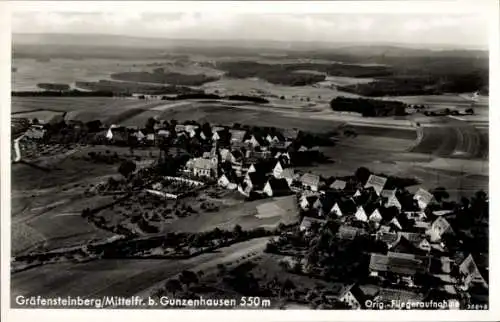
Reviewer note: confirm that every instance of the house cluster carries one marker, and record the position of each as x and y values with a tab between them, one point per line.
415	234
255	163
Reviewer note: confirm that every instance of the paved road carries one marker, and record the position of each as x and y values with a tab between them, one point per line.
119	277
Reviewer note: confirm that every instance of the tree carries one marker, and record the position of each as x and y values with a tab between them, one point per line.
173	286
440	194
237	231
127	168
470	111
150	124
362	174
188	277
221	270
286	287
284	265
35	121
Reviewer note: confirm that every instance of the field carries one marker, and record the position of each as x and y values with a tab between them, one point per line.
266	213
119	277
47	202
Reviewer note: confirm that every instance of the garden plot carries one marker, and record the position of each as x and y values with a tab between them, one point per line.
247	215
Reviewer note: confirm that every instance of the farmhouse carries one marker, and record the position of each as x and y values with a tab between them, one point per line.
276	187
423	198
289	175
471	273
375	217
278	170
361	214
405	266
439	227
227	181
308	222
376	182
310	181
237	135
349	232
349	294
36	132
338	185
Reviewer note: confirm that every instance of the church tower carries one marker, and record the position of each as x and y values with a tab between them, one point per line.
214	158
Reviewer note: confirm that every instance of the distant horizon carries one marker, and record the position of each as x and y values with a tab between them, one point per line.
325	44
421	30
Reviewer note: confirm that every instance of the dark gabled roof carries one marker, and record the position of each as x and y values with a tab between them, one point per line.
258	179
264	166
347	206
399	263
280	185
237	154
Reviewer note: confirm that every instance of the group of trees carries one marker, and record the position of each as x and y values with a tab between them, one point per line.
368	107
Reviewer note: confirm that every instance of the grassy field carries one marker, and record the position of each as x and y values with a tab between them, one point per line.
248	215
83	109
46	205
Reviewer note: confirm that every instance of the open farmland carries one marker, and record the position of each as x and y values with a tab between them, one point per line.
121	277
266	213
83	109
47	203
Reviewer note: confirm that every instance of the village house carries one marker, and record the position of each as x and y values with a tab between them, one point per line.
278	170
117	135
253	181
276	187
376	182
256	141
289	175
338	185
347	232
227	181
204	168
308	222
398	266
310	181
438	228
349	294
387	237
237	136
307	200
360	214
36	132
375	217
470	273
423	198
290	134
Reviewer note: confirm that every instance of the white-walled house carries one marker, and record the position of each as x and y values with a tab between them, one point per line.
376	217
336	210
361	214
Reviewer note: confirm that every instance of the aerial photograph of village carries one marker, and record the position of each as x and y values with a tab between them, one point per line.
210	161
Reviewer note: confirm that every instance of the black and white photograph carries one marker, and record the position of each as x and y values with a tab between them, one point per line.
166	157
